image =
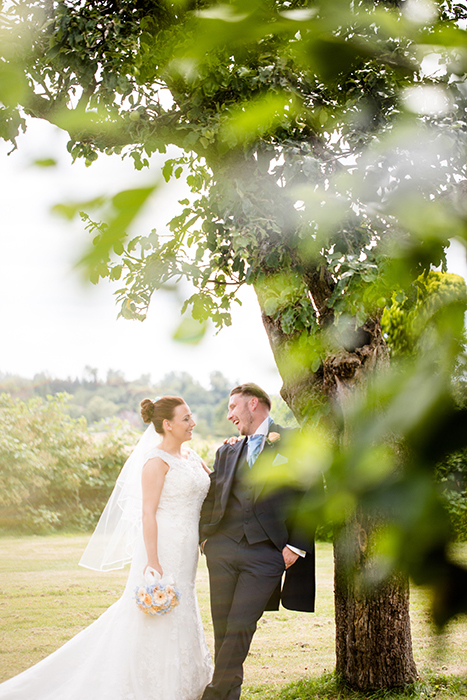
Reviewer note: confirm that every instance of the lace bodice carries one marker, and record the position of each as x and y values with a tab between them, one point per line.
185	486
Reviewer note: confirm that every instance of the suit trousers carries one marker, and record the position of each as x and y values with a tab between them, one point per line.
242	578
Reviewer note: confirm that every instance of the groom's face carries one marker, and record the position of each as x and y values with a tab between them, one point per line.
241	413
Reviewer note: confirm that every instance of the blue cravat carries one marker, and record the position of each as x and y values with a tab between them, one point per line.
254	446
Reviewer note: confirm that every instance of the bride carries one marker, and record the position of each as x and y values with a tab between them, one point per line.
151	519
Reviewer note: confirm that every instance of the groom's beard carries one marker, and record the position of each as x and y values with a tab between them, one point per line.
247	427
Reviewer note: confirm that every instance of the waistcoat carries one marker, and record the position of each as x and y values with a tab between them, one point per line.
240	518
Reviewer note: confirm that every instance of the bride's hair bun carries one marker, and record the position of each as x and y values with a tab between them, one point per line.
157	412
147	410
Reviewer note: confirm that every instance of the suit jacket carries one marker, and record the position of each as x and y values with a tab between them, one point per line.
274	510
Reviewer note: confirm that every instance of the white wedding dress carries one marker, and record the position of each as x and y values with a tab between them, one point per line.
126	654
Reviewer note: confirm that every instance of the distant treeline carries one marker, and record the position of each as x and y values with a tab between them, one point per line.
97	400
116	397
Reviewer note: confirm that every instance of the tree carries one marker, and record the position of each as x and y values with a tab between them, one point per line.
318	175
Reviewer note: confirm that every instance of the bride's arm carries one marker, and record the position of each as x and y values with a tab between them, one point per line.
205	467
152	481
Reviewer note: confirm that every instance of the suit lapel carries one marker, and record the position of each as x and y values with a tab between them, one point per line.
274	428
231	462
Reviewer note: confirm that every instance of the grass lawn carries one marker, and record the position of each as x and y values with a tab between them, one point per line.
45	599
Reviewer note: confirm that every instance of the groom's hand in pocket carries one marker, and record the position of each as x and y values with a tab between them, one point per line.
289	557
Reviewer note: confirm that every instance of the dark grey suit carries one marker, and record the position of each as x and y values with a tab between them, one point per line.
246	528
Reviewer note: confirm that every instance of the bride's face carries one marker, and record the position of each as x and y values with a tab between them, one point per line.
181	425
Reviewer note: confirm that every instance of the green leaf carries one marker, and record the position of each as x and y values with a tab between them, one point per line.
126	206
116	272
45	162
190	331
167	169
258	116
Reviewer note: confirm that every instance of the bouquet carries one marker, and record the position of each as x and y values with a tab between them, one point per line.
157	597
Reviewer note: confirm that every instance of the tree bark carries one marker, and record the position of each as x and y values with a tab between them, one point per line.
373	638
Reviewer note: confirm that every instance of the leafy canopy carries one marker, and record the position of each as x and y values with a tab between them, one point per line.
312	137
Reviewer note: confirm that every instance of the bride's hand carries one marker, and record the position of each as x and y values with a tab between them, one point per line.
157	567
232	440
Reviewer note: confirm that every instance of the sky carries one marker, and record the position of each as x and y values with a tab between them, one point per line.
53	322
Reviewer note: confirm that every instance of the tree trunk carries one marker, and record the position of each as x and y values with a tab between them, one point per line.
373	638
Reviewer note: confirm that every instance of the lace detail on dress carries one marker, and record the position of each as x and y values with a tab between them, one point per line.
125	654
186	484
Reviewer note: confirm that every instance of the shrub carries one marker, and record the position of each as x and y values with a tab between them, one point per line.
54	473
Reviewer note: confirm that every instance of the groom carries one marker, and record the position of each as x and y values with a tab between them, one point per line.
250	540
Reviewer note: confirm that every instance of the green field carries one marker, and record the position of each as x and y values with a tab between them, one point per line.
46	598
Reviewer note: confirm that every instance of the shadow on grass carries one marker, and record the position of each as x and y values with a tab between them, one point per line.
328	687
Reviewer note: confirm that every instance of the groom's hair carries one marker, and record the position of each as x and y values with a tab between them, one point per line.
250	389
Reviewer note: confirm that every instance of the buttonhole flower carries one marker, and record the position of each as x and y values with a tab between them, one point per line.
273	437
